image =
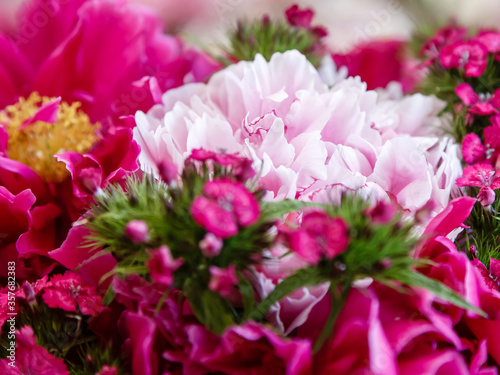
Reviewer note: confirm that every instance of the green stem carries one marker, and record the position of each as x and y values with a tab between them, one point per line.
337	305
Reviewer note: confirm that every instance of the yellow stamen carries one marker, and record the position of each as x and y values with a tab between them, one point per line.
36	144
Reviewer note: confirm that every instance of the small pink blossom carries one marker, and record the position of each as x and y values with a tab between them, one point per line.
490	39
137	231
31	358
225	205
445	36
241	166
473	149
299	17
211	245
382	212
484	176
67	292
479	104
471	56
319	235
107	370
223	280
162	265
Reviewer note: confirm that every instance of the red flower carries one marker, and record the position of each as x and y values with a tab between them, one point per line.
225	205
67	291
162	266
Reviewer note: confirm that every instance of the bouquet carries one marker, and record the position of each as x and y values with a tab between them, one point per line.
268	205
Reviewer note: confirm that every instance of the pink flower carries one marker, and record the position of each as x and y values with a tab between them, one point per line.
471	56
445	36
490	39
31	358
137	231
484	176
223	280
379	62
299	17
69	55
67	292
256	348
474	151
319	235
107	370
240	166
211	245
225	205
485	105
162	265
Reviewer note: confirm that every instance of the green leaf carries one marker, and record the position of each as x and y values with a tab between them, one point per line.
209	307
416	279
276	210
247	293
303	277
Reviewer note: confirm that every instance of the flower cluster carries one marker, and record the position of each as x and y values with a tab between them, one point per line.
162	214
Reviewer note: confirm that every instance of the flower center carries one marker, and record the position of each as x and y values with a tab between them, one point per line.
34	142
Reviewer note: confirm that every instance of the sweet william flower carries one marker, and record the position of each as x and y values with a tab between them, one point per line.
223	280
319	235
211	245
471	56
68	292
31	358
479	104
162	265
484	176
224	205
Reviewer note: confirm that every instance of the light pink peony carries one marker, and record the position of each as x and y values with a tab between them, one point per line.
307	141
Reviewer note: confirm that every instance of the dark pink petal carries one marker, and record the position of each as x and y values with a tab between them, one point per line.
211	245
58	299
299	17
477	175
31	358
473	149
306	246
451	217
492	137
223	280
495	268
486	196
162	266
213	218
485	274
46	113
71	254
490	39
142	331
465	92
336	235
